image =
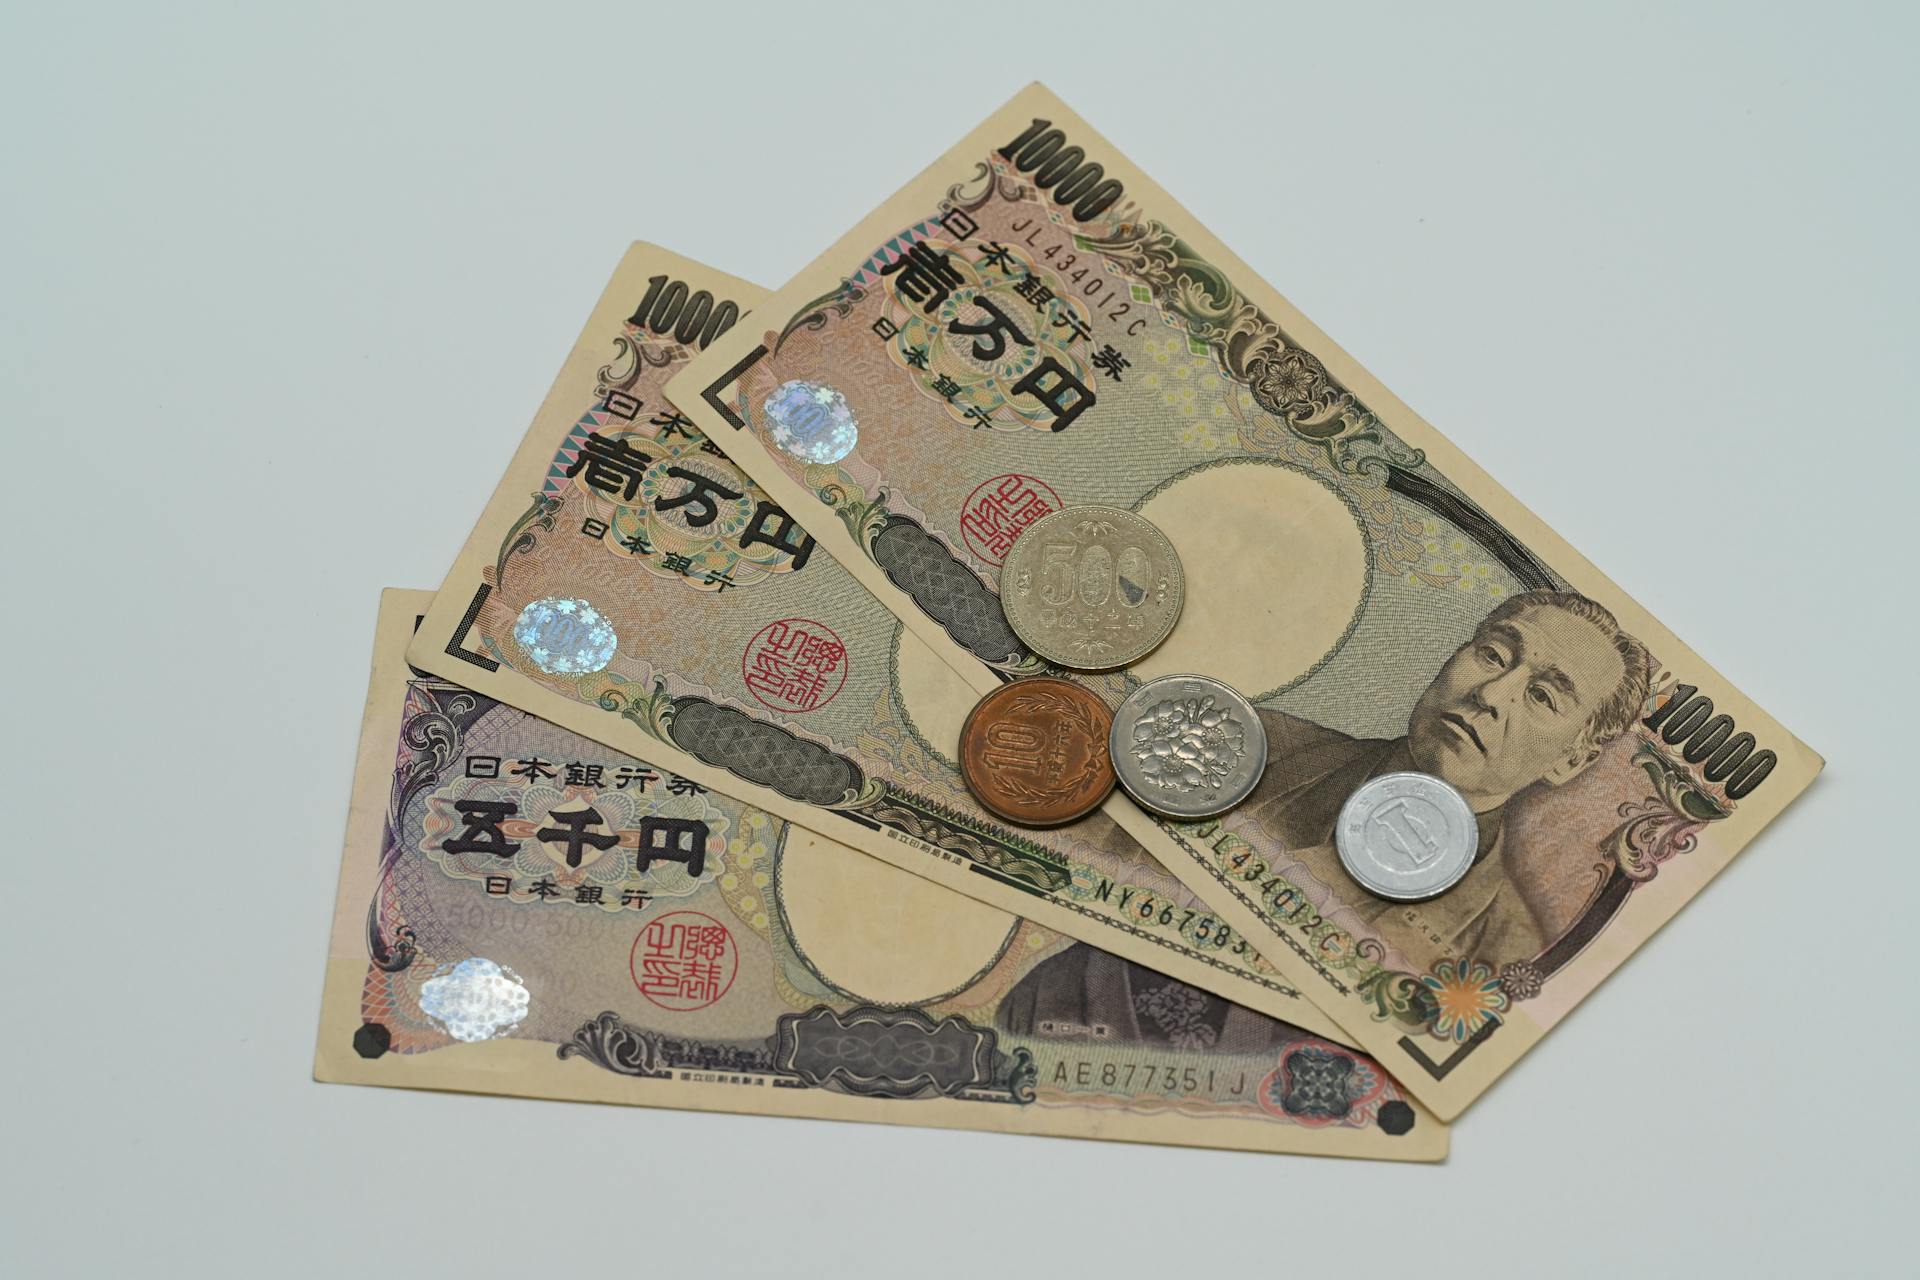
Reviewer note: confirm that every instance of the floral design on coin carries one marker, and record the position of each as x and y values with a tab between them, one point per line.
1188	746
1035	751
1188	743
1092	588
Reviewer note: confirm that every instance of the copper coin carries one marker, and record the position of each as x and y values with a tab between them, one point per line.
1035	751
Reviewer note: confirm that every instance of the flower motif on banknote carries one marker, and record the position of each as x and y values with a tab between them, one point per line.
1294	378
1522	979
998	340
1178	1012
550	832
1466	997
1287	381
657	493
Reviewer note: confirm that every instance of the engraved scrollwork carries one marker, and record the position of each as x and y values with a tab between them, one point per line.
1285	379
1664	825
813	315
1399	996
388	954
981	182
1022	1075
941	584
624	369
608	1042
885	1053
863	519
950	593
433	734
652	711
767	754
520	537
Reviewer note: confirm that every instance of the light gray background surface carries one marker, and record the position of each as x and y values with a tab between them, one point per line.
280	289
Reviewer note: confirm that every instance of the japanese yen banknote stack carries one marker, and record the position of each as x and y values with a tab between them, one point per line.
759	752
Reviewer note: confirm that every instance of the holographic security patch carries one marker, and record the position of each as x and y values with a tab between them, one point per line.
565	636
812	421
475	999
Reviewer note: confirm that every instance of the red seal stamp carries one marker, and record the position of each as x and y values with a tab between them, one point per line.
684	960
996	512
794	664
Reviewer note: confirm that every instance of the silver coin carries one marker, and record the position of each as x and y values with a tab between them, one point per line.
1188	747
1092	588
1406	836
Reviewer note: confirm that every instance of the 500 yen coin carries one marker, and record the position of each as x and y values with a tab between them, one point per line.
1035	751
1092	588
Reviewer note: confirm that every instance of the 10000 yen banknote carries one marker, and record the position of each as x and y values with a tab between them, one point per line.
611	932
1032	323
630	583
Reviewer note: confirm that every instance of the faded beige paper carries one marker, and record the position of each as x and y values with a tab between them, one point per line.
728	647
786	975
1033	323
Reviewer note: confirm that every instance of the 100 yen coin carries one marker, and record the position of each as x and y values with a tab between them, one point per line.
1188	747
1035	751
1092	588
1406	836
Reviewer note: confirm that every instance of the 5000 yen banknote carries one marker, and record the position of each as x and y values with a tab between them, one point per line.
1033	323
629	582
611	932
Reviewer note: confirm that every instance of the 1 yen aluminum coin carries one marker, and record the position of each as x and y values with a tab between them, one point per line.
1188	747
1406	837
1092	588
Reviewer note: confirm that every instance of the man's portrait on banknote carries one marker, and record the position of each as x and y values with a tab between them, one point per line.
1547	679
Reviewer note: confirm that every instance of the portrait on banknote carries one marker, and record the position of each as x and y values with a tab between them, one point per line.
1547	680
1032	326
